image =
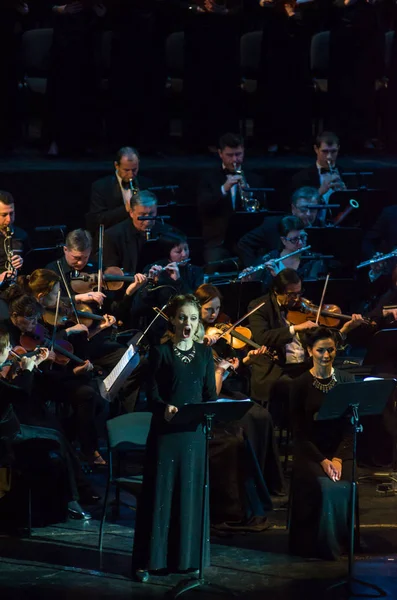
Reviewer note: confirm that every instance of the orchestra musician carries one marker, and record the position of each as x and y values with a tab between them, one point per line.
254	244
10	264
17	437
124	243
219	195
111	195
271	327
293	237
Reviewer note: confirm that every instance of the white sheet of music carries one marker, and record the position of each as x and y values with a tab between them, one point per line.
123	362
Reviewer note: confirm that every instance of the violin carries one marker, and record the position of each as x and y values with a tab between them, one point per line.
62	348
235	342
330	314
113	280
66	314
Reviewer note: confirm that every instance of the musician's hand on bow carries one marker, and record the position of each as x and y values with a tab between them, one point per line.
154	272
274	267
305	325
44	355
169	412
84	368
210	340
79	328
139	281
354	322
173	271
97	297
17	261
5	274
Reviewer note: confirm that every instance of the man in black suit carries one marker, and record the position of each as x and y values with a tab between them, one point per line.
324	175
219	196
125	242
18	241
266	237
111	195
382	237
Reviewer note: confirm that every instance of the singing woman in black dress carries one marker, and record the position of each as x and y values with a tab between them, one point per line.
322	457
168	524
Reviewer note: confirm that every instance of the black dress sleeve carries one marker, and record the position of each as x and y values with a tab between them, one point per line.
303	444
155	402
209	387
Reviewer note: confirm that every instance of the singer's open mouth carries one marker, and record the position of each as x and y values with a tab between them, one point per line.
186	331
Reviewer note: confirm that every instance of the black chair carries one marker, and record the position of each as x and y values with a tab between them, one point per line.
127	435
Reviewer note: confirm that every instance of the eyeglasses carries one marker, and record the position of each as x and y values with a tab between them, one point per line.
297	239
294	294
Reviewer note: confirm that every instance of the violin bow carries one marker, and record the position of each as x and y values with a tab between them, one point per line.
320	306
67	288
100	257
248	314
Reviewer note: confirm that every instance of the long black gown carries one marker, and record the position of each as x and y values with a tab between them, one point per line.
320	506
168	523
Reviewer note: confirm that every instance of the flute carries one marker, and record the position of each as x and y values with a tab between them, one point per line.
251	270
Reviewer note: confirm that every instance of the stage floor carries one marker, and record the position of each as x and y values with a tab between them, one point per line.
62	562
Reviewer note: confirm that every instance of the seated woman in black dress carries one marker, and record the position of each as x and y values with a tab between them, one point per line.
168	525
322	457
293	236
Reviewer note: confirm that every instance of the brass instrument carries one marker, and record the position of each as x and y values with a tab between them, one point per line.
334	172
377	259
251	270
249	203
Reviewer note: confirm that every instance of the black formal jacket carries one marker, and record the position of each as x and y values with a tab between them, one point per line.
306	177
214	208
382	237
107	202
259	241
123	245
268	329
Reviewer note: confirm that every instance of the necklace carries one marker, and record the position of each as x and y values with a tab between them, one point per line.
187	356
325	387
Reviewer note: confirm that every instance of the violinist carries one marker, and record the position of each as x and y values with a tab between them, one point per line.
293	237
257	423
10	262
271	327
102	351
74	387
18	427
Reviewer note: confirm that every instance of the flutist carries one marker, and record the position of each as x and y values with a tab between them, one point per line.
12	239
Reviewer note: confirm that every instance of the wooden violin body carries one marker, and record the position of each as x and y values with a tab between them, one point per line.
62	348
113	280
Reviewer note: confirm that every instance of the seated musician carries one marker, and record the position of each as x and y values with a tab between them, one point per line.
20	421
74	385
219	195
44	285
322	468
254	244
271	326
111	195
293	237
10	264
77	259
257	423
124	243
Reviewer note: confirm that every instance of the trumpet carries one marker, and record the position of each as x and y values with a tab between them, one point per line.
251	270
249	203
377	259
334	172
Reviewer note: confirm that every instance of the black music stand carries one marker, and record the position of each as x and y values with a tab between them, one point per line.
206	413
355	400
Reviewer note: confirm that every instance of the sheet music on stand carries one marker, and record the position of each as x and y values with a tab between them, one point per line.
109	386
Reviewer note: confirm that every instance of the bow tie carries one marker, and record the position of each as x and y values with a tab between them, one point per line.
125	186
324	171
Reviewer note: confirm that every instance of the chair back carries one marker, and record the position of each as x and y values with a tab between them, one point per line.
128	431
319	54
